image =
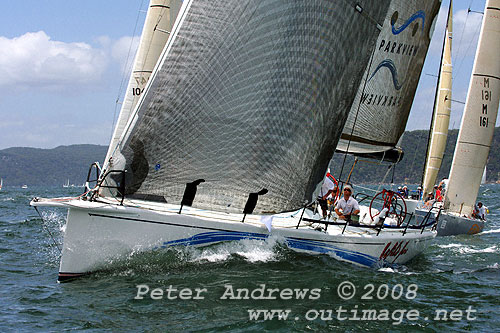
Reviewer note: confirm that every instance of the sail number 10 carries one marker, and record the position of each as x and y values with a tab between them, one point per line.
137	91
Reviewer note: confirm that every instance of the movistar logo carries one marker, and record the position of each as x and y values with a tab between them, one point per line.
389	64
397	30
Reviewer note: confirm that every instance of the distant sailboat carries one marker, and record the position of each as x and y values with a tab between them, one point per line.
1	183
438	132
67	184
476	131
483	179
24	186
441	115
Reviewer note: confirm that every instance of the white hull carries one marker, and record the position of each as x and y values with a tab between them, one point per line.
97	234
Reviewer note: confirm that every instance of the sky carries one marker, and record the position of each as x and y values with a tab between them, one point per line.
65	63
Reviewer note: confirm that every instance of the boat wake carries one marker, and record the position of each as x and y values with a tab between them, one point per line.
448	246
493	231
250	250
470	249
494	266
163	261
466	249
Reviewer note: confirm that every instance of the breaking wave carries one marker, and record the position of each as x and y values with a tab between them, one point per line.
493	231
249	249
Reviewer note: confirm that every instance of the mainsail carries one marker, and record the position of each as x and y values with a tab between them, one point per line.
378	116
157	26
442	109
249	96
479	118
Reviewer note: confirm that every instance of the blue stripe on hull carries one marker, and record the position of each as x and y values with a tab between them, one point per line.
299	244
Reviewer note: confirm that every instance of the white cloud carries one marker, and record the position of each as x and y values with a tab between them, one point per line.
123	51
464	40
33	59
471	32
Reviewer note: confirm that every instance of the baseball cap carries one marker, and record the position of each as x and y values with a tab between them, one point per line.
348	187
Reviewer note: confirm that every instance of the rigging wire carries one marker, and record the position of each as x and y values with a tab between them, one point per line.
163	11
385	176
463	31
124	75
468	48
356	117
470	41
415	153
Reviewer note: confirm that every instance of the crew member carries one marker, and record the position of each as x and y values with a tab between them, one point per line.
405	192
347	205
439	193
481	211
430	197
327	188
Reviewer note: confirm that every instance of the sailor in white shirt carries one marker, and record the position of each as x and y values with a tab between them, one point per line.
327	188
347	205
481	211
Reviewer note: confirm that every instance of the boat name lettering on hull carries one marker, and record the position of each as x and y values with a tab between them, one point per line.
395	251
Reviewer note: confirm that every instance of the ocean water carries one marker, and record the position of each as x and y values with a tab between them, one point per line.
457	279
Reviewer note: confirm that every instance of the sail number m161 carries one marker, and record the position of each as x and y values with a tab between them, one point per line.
485	96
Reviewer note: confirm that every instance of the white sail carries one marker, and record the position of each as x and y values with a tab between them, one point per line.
480	114
159	21
239	99
380	111
442	109
483	179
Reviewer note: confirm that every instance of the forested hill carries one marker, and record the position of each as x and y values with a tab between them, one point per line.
33	166
409	169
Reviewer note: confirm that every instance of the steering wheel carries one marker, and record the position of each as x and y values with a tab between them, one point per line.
395	204
337	193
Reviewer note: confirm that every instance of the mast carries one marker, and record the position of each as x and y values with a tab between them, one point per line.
480	114
159	21
441	113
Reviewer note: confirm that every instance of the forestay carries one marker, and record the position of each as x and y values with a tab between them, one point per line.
157	26
249	95
380	111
